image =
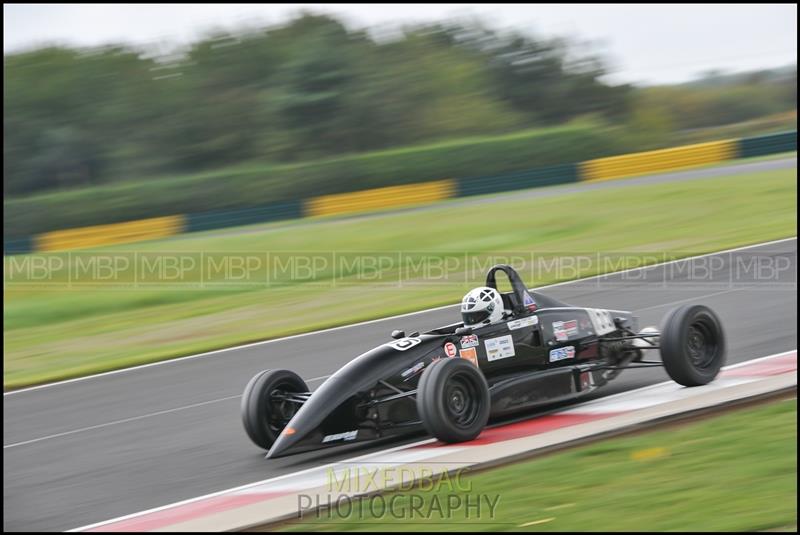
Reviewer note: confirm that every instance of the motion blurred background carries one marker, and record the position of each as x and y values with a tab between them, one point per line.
195	117
90	103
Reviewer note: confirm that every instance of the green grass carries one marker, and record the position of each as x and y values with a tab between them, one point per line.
735	472
752	159
54	332
771	124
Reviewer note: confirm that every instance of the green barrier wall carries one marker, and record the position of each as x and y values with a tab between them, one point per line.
532	178
771	144
245	216
17	246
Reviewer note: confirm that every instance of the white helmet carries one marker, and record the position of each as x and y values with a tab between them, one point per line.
482	306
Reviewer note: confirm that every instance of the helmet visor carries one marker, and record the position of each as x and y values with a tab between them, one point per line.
473	318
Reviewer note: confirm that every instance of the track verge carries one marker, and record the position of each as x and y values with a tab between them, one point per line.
289	496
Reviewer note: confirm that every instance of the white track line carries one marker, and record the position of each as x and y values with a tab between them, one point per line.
377	453
193	405
116	422
689	299
134	418
368	322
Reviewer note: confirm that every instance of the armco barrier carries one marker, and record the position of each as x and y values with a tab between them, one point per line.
129	231
771	144
531	178
397	196
379	198
642	163
244	216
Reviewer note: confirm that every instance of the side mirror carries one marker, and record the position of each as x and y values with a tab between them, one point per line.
398	334
462	331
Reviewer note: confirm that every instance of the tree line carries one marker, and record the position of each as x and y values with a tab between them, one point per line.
313	89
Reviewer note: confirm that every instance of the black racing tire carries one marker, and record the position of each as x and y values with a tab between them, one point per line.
692	345
263	418
453	400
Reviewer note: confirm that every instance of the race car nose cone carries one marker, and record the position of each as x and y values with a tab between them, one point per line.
282	444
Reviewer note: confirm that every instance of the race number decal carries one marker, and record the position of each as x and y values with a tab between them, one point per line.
499	348
404	343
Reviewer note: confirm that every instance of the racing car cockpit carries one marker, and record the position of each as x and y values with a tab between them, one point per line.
520	301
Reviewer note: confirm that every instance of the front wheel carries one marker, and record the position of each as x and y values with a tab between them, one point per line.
265	409
453	400
692	345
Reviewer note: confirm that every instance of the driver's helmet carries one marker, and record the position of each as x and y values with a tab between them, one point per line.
482	306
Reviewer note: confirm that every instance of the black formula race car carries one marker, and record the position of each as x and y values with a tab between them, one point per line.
450	381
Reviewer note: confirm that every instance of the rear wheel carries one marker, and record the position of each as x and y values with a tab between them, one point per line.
453	400
692	345
265	411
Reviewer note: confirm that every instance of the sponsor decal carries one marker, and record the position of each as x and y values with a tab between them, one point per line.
570	326
564	329
499	348
470	354
347	435
471	340
528	301
587	381
562	353
412	370
450	349
404	343
523	322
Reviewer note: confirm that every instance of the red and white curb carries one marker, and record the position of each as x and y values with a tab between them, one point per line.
287	496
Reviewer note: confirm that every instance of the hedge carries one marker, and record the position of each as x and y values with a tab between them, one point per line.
254	186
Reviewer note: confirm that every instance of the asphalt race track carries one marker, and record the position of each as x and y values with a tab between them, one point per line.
86	451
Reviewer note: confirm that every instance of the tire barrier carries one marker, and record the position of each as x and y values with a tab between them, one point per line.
642	163
380	198
129	231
